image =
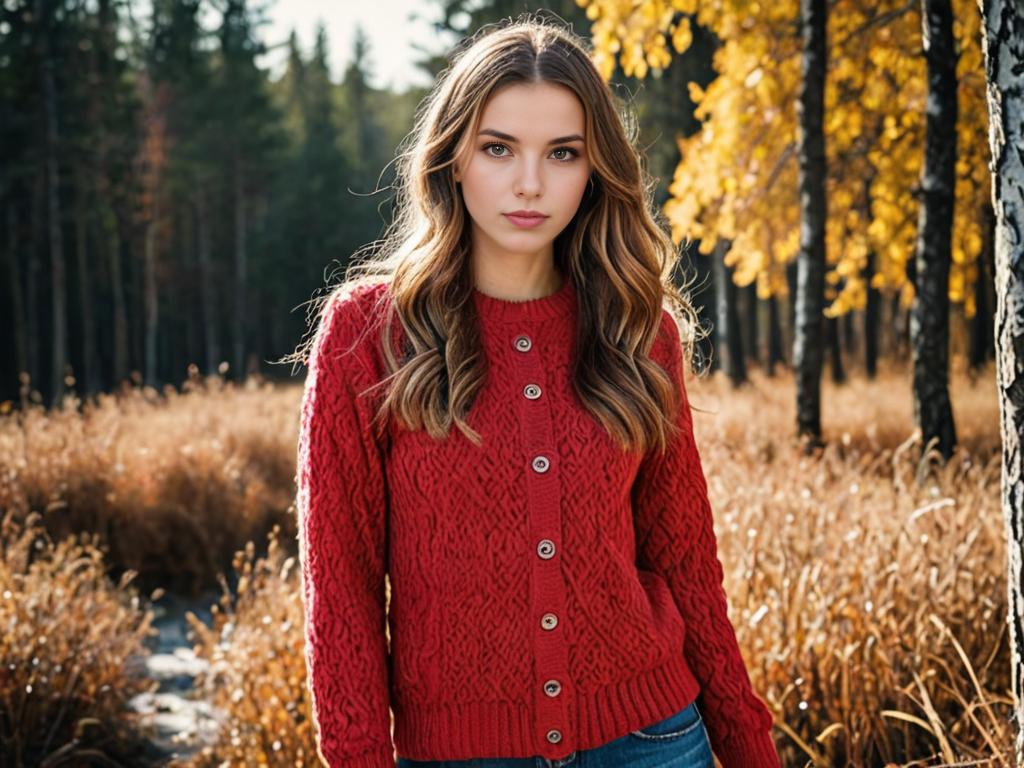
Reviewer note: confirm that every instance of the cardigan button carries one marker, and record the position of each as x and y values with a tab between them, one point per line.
532	391
552	688
523	343
554	735
546	548
549	621
541	464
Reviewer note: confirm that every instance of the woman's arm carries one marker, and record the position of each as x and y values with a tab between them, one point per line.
341	507
676	539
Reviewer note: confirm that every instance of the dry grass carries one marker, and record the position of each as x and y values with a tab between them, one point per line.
174	482
68	635
867	588
257	670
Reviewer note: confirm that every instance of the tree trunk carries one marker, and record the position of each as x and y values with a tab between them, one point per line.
112	240
241	268
775	356
835	352
151	300
929	319
792	286
17	305
898	326
110	220
792	283
729	331
58	270
807	341
750	326
872	307
848	339
32	282
981	323
871	319
1003	46
193	320
89	380
206	282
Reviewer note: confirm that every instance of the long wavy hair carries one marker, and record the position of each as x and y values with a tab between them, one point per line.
615	249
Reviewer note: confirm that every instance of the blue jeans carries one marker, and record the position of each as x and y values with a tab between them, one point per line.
678	741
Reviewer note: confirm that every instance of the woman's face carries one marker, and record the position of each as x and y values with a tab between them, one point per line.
529	155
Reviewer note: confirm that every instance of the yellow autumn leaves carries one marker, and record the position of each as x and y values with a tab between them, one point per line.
737	177
639	32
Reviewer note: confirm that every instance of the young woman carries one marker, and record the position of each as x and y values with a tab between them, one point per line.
495	418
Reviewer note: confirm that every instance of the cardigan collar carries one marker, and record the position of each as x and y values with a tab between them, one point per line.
554	305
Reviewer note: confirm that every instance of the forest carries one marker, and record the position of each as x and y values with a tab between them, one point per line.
169	208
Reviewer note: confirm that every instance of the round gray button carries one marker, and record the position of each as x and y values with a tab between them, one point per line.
532	391
541	464
523	343
552	688
549	621
546	548
554	735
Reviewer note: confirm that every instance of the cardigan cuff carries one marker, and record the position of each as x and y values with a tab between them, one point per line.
748	750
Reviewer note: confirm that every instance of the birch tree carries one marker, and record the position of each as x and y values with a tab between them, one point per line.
1003	45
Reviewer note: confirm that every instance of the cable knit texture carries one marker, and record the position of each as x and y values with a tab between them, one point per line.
549	592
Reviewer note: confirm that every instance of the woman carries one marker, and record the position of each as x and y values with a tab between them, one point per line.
555	592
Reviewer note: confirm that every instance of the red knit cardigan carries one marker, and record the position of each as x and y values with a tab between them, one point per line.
549	591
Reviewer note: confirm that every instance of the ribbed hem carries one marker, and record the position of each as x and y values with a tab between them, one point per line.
557	304
462	731
754	749
379	757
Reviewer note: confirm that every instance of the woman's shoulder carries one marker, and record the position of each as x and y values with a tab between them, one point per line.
358	298
351	316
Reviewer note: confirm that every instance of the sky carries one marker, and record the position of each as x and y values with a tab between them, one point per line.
386	23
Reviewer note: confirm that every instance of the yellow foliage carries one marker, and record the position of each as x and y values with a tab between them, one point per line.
737	178
682	35
696	92
907	295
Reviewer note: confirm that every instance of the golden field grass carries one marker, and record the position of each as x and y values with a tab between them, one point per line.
867	587
174	482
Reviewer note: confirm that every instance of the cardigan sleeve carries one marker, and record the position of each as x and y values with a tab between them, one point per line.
676	539
341	505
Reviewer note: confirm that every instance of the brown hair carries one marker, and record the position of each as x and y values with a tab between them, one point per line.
614	249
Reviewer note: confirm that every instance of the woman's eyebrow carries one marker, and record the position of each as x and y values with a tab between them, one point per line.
514	140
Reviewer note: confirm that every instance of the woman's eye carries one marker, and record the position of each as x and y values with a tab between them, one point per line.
572	153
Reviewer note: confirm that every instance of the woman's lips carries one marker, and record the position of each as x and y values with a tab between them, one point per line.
525	222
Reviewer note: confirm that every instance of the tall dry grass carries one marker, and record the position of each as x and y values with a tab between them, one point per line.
173	482
867	586
257	672
70	642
